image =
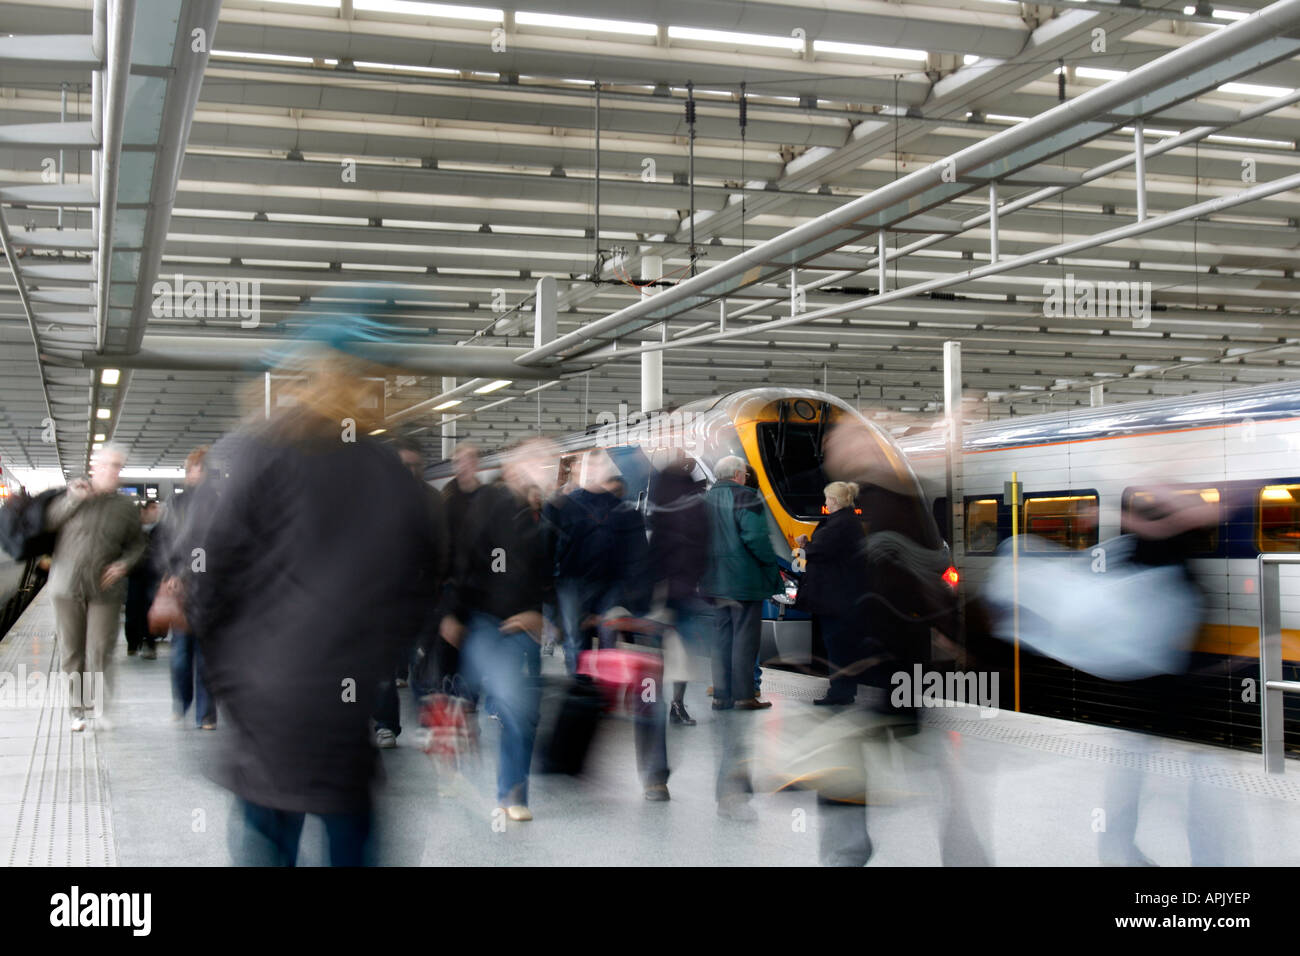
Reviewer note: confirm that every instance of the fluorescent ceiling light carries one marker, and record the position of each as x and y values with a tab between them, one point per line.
1093	73
726	36
101	438
970	58
448	404
1229	15
444	10
379	431
862	49
586	23
1252	89
492	386
275	57
103	413
109	376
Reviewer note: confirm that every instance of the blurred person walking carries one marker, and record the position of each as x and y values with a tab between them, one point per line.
833	586
176	547
420	657
600	550
141	586
318	558
99	541
678	521
493	602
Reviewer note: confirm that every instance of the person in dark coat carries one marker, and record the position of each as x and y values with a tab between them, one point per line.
493	601
141	586
177	558
833	587
678	521
600	550
317	560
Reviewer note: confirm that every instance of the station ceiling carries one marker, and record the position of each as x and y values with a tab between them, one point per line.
440	160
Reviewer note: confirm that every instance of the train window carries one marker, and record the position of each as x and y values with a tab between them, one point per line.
1067	520
982	526
1279	518
1198	540
795	471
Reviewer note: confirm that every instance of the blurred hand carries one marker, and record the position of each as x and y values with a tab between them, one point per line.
452	631
530	621
112	574
801	541
172	584
78	488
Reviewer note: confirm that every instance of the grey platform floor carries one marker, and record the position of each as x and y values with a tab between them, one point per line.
1035	790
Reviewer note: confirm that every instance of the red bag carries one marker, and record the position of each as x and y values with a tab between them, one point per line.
620	672
168	612
452	736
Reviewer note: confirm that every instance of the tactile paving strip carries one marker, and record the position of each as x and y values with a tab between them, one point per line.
61	811
1034	732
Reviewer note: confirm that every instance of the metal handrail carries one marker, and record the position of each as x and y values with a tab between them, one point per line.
1270	661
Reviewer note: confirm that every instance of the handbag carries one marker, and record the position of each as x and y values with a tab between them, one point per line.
167	612
452	737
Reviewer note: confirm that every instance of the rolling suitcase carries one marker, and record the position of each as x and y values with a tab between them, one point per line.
575	728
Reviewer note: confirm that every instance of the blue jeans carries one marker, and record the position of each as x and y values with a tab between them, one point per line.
578	598
261	836
189	679
499	665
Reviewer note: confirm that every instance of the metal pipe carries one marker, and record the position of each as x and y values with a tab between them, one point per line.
595	272
119	70
63	118
1128	231
7	243
993	222
1140	168
882	257
1031	199
1267	24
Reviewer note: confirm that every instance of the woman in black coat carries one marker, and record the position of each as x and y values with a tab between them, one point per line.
833	586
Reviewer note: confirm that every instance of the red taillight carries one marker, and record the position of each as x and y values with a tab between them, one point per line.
951	577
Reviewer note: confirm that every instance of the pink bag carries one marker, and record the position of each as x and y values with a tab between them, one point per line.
620	673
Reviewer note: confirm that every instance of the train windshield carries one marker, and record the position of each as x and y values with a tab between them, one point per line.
799	482
795	470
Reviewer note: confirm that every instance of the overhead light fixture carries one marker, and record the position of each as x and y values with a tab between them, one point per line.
101	438
492	386
110	376
449	404
103	413
379	431
96	446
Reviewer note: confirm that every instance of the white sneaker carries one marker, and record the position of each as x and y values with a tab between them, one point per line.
77	725
385	739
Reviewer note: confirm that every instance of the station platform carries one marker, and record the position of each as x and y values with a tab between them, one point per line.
1035	790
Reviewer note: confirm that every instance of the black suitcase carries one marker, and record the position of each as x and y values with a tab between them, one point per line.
575	728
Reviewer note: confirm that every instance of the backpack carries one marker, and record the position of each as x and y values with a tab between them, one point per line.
22	525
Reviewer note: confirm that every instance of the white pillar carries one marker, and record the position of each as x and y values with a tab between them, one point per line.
652	363
448	428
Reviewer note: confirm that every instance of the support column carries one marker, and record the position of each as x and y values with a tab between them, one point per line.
1140	169
955	485
544	307
1095	397
448	427
652	363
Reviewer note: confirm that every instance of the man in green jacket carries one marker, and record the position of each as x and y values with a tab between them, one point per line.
743	571
99	541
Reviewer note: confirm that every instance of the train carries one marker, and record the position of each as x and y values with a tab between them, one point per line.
1079	472
782	434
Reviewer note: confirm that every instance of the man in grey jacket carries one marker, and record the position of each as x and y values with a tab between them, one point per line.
99	540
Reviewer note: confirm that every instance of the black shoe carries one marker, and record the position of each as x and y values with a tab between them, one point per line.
829	701
678	715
